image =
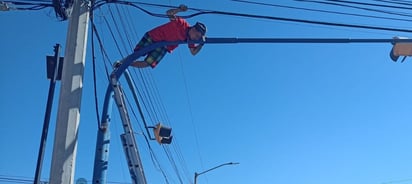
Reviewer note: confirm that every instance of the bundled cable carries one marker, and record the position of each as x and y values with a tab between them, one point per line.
205	12
13	5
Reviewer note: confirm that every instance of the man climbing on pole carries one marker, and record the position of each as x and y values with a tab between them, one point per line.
175	30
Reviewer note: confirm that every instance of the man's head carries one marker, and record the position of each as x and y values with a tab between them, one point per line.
197	32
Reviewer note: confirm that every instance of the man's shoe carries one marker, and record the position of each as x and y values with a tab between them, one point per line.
117	64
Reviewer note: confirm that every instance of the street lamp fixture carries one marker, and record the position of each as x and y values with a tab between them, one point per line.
400	49
213	168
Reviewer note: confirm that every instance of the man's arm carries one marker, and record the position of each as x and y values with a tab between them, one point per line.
172	12
196	49
139	64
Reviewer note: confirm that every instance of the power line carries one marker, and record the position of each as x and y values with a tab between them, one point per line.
369	4
205	12
21	179
60	8
150	101
117	28
360	8
13	179
407	3
150	105
153	156
321	11
45	1
15	5
191	116
96	102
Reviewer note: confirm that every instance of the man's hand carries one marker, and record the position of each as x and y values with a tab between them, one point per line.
172	12
183	7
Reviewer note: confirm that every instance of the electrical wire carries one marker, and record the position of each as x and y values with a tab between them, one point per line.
96	101
27	5
205	12
145	97
149	94
153	96
195	131
360	8
154	100
202	12
321	11
160	113
396	2
113	36
168	151
125	27
176	149
153	156
21	179
369	4
37	1
10	179
102	50
117	27
150	104
153	103
152	153
172	162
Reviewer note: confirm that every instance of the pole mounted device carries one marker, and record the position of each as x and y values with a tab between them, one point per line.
54	68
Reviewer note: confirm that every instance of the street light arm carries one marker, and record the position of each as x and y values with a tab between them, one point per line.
229	163
198	174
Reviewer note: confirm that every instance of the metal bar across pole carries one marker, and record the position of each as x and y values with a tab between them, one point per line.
132	57
304	40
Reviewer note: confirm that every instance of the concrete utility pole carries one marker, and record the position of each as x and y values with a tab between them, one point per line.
68	116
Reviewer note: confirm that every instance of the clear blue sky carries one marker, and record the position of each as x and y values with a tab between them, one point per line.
288	113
